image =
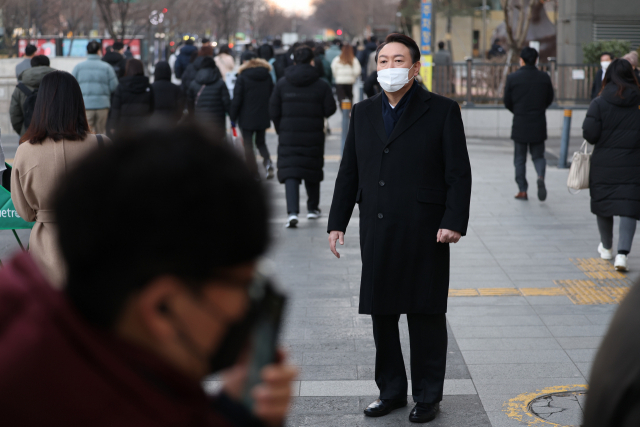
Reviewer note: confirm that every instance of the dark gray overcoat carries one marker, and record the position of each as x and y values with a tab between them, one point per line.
408	186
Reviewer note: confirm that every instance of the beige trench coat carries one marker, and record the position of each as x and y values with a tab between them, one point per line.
37	170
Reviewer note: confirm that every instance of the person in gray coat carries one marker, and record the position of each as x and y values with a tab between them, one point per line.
97	81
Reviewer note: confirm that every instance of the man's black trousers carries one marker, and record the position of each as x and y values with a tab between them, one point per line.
428	340
520	161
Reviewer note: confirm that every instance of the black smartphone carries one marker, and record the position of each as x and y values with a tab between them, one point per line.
264	339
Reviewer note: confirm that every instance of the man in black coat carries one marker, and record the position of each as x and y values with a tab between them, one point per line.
116	59
298	106
605	60
527	94
406	164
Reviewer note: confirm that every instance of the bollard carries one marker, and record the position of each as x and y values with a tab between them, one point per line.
345	105
564	145
468	98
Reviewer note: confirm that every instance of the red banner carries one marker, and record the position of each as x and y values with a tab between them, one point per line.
45	46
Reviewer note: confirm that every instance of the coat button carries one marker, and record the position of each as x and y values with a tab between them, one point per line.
380	216
386	151
381	183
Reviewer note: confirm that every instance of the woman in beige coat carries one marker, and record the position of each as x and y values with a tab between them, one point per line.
56	139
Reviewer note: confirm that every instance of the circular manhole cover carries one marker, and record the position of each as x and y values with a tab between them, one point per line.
563	408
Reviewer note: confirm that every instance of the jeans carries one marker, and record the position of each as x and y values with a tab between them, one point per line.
627	231
247	138
292	189
520	161
428	340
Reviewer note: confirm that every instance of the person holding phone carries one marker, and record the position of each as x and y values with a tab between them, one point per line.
148	311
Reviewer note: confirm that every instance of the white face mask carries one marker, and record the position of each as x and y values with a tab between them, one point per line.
394	79
604	65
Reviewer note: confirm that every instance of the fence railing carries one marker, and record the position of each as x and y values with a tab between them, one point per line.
483	83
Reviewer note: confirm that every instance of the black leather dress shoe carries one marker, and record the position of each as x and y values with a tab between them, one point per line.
424	412
382	407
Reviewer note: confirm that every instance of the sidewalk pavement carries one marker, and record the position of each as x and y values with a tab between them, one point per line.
529	303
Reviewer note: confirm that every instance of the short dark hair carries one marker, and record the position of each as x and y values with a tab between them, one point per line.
277	43
337	42
611	55
30	50
309	43
189	42
225	49
529	55
59	111
319	50
118	45
414	50
40	60
93	47
440	45
134	67
265	52
302	55
205	40
111	255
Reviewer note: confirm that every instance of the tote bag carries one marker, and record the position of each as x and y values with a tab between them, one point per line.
579	171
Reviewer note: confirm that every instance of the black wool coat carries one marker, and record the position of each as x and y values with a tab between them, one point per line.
250	104
613	125
133	101
298	106
408	186
117	61
527	94
168	99
213	103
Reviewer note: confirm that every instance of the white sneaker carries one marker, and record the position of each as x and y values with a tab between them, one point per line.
314	214
292	221
621	263
605	253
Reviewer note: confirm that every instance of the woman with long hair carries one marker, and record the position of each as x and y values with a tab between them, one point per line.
56	139
613	125
133	99
345	69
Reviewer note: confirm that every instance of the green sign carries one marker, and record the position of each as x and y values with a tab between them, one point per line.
9	218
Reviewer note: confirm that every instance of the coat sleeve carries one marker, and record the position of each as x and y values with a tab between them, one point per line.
17	192
15	112
236	103
330	106
592	125
347	183
457	173
226	99
275	108
508	102
113	79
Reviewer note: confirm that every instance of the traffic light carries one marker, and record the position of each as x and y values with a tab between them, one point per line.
165	10
339	32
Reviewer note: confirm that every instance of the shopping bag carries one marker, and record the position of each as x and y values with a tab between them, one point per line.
9	218
579	172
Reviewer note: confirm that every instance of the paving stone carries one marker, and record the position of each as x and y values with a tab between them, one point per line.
524	371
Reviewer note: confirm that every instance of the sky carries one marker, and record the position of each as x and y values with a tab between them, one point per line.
294	6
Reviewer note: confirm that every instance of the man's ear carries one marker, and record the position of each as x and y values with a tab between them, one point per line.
156	305
416	69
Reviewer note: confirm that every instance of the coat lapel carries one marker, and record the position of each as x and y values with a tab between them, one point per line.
374	114
417	107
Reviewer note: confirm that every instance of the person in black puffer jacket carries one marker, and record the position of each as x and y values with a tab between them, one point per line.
116	59
133	99
298	107
189	74
208	96
613	125
250	107
168	99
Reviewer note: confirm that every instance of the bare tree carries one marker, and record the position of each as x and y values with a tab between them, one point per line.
74	15
227	14
518	12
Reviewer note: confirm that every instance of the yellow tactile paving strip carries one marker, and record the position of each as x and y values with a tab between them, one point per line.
604	286
518	407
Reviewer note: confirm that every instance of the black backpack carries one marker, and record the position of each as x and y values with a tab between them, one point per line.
29	103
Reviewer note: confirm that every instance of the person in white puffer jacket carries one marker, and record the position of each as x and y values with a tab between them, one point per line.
346	69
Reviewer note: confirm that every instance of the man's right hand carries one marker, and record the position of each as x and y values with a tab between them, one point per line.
335	236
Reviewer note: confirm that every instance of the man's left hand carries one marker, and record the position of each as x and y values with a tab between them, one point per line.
448	236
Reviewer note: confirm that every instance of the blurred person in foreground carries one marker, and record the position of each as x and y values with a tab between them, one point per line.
405	163
26	93
612	124
98	82
57	139
527	94
142	322
613	399
298	106
250	108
